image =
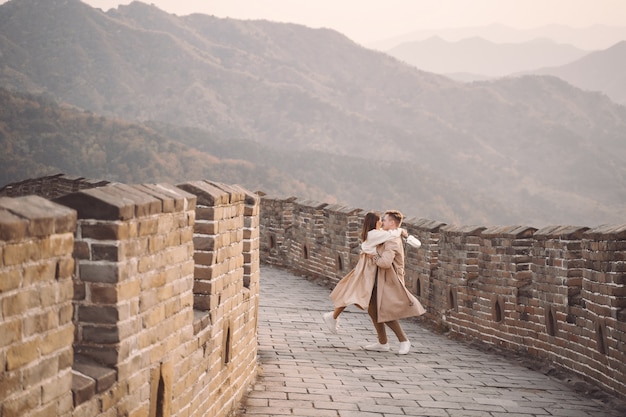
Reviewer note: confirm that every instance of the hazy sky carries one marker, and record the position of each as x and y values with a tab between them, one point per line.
367	20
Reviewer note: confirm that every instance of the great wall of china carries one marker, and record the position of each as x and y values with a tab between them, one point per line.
142	300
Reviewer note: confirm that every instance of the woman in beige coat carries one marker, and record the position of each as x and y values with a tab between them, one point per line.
356	287
391	300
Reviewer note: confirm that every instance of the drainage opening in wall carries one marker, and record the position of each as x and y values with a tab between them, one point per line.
272	241
452	300
551	324
601	337
227	347
160	397
497	310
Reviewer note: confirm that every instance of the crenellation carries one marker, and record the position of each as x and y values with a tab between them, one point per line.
157	282
556	294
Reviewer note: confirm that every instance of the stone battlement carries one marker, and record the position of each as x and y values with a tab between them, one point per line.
556	294
142	299
128	300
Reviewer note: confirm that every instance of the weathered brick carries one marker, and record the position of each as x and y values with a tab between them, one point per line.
83	388
103	293
81	250
19	303
99	272
103	377
105	252
40	322
46	368
58	339
64	268
22	353
53	389
19	253
55	293
66	313
19	405
10	331
12	227
43	216
10	279
105	231
98	314
44	270
148	227
101	334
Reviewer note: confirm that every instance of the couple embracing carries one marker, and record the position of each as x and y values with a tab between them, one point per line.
377	282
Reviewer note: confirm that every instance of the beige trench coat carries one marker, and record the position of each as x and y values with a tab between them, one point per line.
356	287
395	301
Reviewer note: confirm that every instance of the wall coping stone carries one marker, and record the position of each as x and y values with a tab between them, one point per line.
173	199
236	195
206	193
83	388
513	232
249	197
463	230
424	224
95	203
316	205
277	199
609	231
34	216
103	377
561	232
125	202
55	179
145	205
336	208
12	227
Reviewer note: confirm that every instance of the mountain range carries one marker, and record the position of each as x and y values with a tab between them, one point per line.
485	58
590	38
476	59
601	71
283	108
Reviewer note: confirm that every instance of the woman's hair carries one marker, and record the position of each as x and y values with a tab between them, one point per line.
369	223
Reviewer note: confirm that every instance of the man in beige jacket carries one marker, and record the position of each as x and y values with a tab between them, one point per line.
391	300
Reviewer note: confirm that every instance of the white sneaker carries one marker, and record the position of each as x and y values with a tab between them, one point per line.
377	347
331	322
404	348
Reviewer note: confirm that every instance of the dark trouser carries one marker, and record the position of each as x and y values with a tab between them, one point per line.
394	325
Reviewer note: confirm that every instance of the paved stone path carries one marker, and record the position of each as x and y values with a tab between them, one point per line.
306	371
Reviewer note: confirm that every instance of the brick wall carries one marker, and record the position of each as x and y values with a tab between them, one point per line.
50	187
556	294
36	329
139	301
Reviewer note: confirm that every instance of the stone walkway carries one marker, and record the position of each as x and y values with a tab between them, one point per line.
306	371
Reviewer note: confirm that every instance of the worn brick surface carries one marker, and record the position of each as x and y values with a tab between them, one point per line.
537	292
306	371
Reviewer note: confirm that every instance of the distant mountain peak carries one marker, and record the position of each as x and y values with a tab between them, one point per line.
310	109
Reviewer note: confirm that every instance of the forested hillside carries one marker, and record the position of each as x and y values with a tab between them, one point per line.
288	109
38	138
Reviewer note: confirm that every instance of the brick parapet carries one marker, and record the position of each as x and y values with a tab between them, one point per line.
36	329
50	187
422	264
121	261
226	288
557	293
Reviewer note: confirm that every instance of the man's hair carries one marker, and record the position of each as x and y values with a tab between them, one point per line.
396	215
